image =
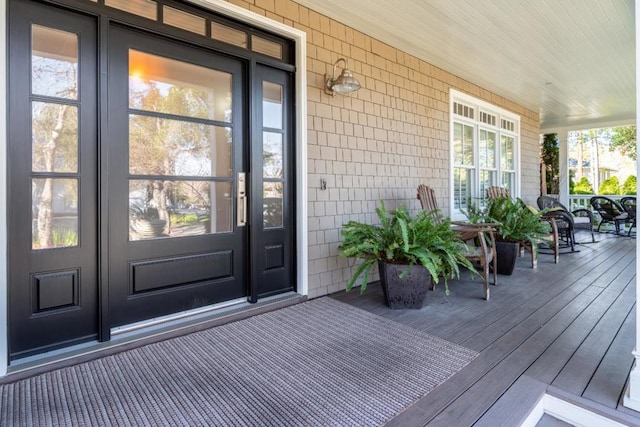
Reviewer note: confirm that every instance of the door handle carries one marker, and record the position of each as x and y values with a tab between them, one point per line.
242	199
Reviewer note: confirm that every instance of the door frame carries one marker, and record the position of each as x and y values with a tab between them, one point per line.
226	9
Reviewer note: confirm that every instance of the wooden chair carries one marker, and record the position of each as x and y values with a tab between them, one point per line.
477	236
495	192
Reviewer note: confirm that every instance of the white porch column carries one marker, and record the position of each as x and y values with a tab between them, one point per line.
563	145
632	394
4	343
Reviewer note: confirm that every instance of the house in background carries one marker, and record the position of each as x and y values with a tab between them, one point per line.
217	118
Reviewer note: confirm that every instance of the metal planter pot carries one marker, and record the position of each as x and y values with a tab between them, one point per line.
507	254
408	292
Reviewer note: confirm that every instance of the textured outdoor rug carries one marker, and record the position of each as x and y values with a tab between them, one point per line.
320	363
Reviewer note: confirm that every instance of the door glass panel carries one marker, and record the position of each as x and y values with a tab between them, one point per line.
54	136
54	207
54	62
271	105
272	210
164	85
178	208
272	154
161	146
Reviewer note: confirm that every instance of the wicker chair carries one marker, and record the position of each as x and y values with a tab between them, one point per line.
629	205
479	252
610	212
581	219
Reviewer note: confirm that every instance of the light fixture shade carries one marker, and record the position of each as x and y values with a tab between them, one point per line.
342	84
345	83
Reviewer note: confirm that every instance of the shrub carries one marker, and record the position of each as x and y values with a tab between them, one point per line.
583	187
610	186
629	186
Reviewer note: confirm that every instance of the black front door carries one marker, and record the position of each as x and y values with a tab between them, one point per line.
52	144
147	176
177	236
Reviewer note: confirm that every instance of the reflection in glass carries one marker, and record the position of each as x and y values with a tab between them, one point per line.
266	47
461	187
165	85
487	148
272	154
228	35
462	144
507	153
181	19
159	146
54	135
144	8
487	179
54	210
272	209
271	105
54	62
509	181
178	208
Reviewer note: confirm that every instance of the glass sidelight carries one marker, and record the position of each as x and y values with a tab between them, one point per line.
272	150
54	138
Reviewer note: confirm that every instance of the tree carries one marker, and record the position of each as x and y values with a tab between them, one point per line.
629	186
610	186
623	139
551	161
583	187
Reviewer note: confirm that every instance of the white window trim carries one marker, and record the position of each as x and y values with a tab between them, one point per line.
500	113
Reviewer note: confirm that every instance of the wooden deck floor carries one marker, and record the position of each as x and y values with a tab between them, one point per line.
566	329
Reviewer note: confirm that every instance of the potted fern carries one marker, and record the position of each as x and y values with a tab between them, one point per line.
411	252
518	225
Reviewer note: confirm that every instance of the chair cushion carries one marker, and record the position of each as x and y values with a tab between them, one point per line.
581	220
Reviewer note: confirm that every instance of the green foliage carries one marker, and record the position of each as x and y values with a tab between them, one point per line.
184	219
582	187
610	186
551	160
405	240
623	139
518	222
630	186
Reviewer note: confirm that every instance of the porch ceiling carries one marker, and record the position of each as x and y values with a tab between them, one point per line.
571	60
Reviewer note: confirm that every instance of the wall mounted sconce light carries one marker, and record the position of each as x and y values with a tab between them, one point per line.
343	84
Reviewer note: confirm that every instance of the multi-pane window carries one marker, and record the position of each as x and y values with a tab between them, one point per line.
484	150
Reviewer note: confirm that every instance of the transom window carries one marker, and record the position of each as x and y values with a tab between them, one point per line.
485	145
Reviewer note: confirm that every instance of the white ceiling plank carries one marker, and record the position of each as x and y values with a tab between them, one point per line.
515	48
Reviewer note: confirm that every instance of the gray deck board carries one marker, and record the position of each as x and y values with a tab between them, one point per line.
608	382
538	324
575	376
591	333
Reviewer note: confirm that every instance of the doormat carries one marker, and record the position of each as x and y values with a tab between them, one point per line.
319	363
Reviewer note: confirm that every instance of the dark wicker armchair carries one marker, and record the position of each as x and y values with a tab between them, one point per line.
610	212
582	219
629	205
